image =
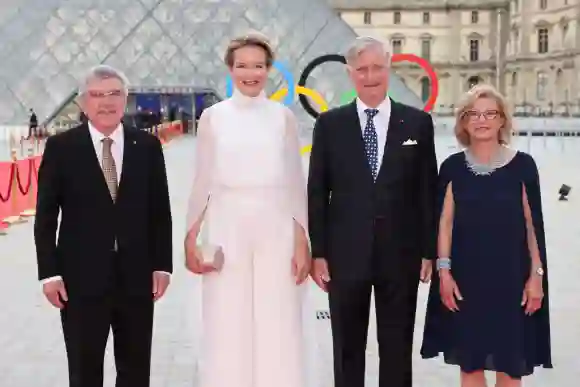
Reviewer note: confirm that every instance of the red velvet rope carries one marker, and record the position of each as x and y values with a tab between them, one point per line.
14	172
4	199
24	191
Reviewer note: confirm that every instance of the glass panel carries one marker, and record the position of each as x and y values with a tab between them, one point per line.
60	86
10	107
48	44
82	63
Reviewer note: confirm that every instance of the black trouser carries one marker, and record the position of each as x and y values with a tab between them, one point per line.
32	130
86	323
395	302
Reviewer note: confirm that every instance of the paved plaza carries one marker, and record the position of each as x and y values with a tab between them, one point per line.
31	345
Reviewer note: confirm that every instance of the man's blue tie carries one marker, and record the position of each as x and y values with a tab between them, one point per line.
371	141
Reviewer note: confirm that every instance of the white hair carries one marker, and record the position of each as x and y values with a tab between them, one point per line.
103	72
364	43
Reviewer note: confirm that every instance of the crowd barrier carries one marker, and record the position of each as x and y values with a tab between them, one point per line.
167	131
19	177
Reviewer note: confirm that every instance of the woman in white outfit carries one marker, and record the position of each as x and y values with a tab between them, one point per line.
249	193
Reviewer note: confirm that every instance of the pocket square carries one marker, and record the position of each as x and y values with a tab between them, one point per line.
410	142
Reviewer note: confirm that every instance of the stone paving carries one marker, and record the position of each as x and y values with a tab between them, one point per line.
31	344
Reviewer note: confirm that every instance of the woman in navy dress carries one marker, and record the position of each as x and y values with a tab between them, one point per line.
488	303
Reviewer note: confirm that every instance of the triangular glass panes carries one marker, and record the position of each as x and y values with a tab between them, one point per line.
47	45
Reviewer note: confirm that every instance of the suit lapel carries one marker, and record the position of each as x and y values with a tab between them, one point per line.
129	158
395	133
394	137
90	158
394	129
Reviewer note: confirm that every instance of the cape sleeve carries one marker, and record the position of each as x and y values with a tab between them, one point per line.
296	182
443	180
204	161
531	181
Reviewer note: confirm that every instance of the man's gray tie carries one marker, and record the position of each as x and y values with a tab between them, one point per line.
371	141
110	168
110	172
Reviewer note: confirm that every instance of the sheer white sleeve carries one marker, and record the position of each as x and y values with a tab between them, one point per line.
204	162
295	173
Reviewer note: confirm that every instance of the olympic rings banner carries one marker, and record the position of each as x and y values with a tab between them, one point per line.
300	89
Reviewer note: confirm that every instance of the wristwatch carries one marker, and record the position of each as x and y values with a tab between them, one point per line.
443	263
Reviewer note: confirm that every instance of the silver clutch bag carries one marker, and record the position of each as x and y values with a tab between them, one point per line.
211	253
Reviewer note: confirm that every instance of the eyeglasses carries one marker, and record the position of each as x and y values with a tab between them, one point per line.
473	115
103	94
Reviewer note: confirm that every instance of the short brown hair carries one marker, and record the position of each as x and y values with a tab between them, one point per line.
252	39
477	92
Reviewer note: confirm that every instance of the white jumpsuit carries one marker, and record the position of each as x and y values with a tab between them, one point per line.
250	189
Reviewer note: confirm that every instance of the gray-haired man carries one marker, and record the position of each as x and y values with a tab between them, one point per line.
372	218
113	257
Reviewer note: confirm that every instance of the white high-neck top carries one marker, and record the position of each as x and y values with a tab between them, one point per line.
248	143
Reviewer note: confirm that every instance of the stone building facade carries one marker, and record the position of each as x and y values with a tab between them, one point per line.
529	49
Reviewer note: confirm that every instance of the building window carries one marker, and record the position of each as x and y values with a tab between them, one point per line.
543	4
426	49
397	18
564	35
474	17
543	40
425	89
367	18
474	50
397	46
516	42
426	18
473	81
542	83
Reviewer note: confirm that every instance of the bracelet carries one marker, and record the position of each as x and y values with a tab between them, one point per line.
443	263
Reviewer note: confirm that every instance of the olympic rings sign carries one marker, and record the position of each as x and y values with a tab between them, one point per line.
300	88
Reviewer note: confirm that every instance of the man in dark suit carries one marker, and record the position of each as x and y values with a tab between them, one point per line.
372	218
113	257
32	124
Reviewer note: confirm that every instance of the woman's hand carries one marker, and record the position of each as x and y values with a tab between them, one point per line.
449	290
193	258
533	294
301	262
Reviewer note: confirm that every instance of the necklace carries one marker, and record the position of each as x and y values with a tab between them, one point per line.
498	160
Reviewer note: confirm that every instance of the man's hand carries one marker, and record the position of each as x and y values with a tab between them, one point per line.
55	293
319	273
160	284
426	270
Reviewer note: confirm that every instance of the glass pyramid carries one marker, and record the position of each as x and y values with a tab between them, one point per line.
47	45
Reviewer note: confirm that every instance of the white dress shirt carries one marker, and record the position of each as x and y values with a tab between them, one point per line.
117	147
381	122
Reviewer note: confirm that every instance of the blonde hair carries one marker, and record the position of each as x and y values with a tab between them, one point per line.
466	102
252	39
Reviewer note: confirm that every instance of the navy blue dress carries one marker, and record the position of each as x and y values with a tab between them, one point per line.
491	264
